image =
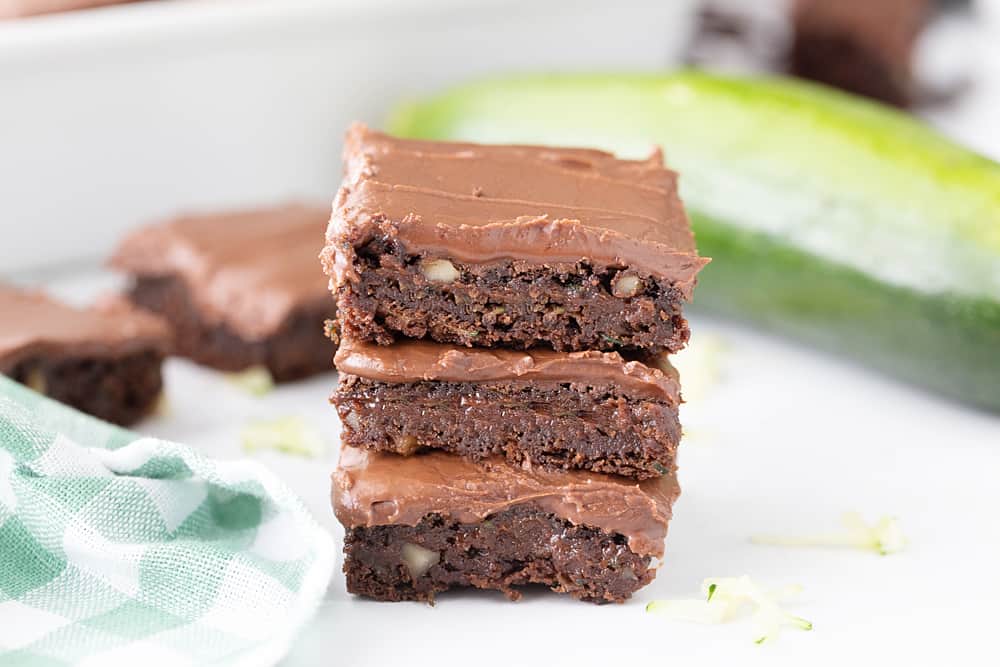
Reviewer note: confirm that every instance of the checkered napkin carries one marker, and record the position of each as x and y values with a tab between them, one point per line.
121	550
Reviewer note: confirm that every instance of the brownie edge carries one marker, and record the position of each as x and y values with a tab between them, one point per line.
120	389
509	303
297	349
564	425
418	525
590	410
519	546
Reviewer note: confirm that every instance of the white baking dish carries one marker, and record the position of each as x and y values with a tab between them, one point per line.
112	117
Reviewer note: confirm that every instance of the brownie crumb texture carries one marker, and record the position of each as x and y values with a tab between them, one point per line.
516	304
121	390
557	425
519	546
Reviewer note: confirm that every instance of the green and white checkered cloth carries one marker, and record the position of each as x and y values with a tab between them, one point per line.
116	549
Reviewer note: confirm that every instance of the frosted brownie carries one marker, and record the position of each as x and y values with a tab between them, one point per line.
569	410
508	246
102	361
240	289
419	525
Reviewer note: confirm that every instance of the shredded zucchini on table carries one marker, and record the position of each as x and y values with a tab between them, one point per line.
725	597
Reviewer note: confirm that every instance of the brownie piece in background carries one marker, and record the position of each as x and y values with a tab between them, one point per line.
509	246
571	410
419	525
240	289
866	47
862	46
105	361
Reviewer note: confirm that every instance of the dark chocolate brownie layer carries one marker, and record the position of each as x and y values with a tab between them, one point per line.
297	349
518	546
120	389
508	304
565	425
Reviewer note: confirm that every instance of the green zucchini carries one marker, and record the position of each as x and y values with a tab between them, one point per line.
836	220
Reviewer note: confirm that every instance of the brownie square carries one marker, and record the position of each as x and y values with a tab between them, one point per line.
105	361
508	246
240	289
420	525
569	410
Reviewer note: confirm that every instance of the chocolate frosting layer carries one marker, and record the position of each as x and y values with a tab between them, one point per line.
35	325
417	360
375	489
479	203
246	269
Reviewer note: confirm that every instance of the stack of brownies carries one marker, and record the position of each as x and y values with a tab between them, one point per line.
509	413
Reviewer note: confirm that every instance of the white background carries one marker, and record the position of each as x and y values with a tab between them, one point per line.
781	439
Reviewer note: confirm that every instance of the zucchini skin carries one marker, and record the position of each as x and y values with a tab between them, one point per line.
897	190
945	343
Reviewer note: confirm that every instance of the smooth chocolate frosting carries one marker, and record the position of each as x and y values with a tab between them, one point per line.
35	325
417	360
246	269
480	203
376	488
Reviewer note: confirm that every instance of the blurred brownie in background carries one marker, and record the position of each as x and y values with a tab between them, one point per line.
13	9
862	46
240	289
104	361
